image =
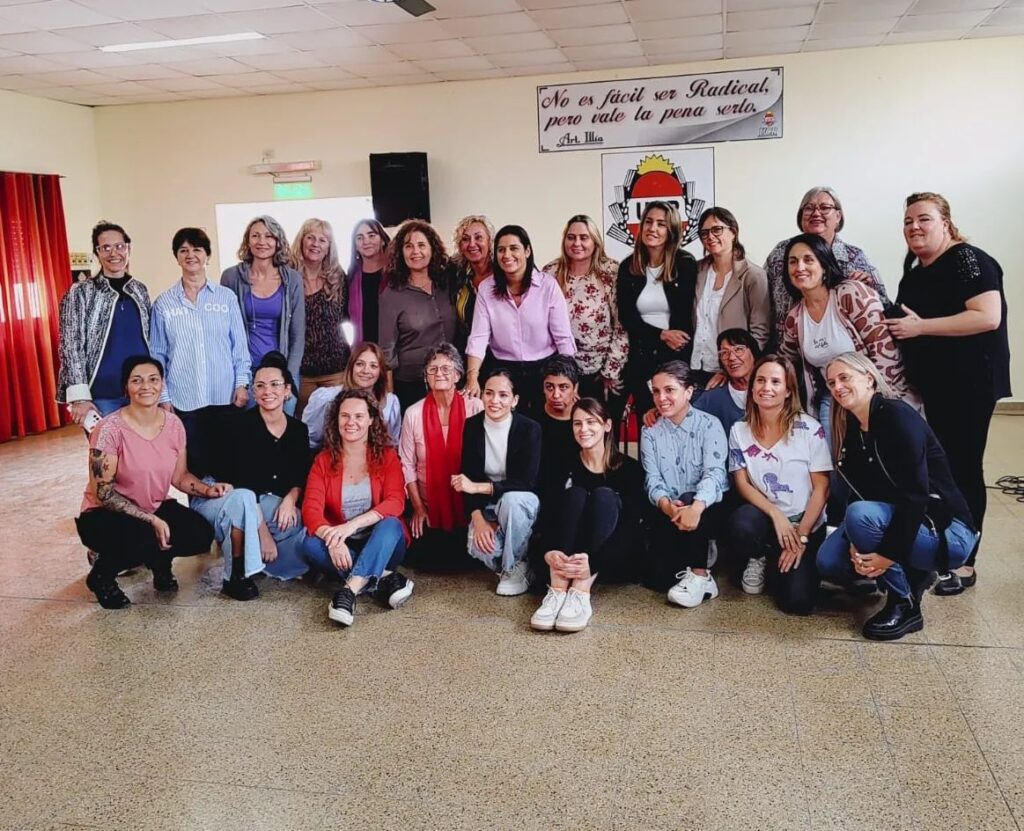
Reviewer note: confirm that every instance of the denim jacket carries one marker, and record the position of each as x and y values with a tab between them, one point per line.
86	314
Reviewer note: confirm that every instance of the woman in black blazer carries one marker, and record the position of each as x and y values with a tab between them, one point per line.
500	460
655	291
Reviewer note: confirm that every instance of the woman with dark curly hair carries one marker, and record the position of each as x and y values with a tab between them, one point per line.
352	508
417	309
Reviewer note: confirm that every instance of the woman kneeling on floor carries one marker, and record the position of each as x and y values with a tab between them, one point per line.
500	460
908	519
135	454
258	524
779	462
684	456
594	523
353	507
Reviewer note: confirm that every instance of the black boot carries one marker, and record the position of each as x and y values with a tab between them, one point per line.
163	577
107	592
239	587
898	617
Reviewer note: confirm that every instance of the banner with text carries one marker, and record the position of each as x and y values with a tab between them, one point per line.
629	181
679	109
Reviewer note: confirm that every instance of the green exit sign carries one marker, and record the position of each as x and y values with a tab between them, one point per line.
293	190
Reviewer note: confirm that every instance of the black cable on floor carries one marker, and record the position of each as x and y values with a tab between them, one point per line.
1011	486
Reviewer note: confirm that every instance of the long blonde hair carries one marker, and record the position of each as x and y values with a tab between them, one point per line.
940	202
330	269
281	254
791	409
838	419
641	259
598	260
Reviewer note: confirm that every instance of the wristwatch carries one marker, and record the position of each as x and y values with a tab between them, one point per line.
803	539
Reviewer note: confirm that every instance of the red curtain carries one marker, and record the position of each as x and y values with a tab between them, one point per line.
35	272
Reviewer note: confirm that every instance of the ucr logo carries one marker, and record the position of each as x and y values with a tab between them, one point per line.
654	179
769	118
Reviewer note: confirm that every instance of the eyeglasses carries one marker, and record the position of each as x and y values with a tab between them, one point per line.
440	370
260	386
119	247
733	352
715	231
824	210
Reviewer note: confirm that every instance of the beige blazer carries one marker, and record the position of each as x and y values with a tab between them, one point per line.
745	304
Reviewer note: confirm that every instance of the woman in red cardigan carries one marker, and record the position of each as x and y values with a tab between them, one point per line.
353	505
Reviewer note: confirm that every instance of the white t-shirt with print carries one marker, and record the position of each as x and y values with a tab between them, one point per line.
827	339
783	472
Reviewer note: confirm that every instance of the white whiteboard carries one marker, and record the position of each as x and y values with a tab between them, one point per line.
343	212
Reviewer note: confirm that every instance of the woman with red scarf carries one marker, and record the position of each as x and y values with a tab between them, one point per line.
431	453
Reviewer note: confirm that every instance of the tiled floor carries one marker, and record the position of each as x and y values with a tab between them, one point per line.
203	713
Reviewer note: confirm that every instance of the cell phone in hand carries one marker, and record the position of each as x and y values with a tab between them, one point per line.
92	418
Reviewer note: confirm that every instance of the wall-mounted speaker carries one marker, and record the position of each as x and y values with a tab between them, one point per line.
400	187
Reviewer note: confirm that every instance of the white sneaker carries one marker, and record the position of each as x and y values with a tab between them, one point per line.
693	589
575	613
516	581
753	575
544	618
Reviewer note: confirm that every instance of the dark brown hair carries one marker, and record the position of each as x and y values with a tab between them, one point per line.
376	440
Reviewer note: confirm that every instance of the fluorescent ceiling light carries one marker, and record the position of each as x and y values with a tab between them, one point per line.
164	44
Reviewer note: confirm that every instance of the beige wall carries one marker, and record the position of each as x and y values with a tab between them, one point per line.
874	123
43	136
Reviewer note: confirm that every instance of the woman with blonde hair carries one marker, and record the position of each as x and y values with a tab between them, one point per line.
907	518
779	461
586	276
314	254
473	242
952	323
654	293
270	295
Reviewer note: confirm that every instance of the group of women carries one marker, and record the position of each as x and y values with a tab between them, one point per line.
473	404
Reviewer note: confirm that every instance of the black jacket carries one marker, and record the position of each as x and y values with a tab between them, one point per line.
899	461
645	340
521	467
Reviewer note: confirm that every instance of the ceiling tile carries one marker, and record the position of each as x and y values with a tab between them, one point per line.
933	6
442	65
545	69
39	43
607	14
497	24
362	14
861	28
609	63
265	46
401	80
351	83
91	60
251	79
280	60
192	26
10	27
761	5
526	42
642	10
924	36
73	77
340	38
372	70
418	30
1006	17
762	50
170	54
54	14
358	54
212	66
472	8
842	43
592	35
145	9
683	27
245	5
687	57
996	31
144	72
607	50
109	35
278	21
557	4
767	37
776	19
678	46
921	23
323	73
281	88
842	12
22	64
477	75
20	82
538	57
431	49
184	84
124	88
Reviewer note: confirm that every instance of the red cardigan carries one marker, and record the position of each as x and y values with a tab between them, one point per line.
321	501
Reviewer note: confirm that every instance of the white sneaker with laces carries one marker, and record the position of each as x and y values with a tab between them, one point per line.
516	581
693	589
753	575
544	618
575	613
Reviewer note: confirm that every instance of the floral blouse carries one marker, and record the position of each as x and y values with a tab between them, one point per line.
602	345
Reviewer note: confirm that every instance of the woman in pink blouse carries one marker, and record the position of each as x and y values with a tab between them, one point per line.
522	316
587	277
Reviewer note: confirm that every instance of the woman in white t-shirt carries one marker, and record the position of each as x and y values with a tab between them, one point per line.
779	461
834	315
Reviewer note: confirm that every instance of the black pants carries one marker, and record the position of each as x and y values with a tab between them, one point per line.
672	551
527	382
961	426
409	392
751	534
587	524
207	434
439	551
122	542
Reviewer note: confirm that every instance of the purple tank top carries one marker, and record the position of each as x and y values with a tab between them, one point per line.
263	323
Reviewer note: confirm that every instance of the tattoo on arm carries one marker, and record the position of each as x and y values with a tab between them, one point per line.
114	501
96	463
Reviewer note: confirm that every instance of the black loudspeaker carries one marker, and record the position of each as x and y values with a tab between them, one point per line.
400	187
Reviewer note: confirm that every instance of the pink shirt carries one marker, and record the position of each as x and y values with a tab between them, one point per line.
529	332
412	447
144	466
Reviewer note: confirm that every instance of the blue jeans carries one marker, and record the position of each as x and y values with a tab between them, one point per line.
382	551
865	525
242	509
106	406
515	513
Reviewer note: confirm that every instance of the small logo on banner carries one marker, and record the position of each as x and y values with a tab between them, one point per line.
654	179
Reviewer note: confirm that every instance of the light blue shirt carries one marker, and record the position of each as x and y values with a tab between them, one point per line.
202	346
688	458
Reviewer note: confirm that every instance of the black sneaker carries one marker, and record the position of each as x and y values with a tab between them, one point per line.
898	617
163	581
393	589
343	608
240	588
107	592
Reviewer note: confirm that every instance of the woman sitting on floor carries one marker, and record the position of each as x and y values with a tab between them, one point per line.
593	525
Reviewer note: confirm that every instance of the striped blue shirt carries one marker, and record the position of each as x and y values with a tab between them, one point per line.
686	458
202	346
